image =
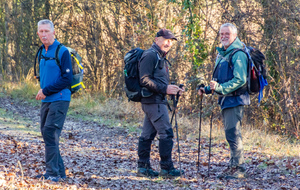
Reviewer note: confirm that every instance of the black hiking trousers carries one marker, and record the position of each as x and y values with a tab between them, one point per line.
53	115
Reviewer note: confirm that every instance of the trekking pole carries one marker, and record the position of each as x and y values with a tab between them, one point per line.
176	126
175	101
211	120
200	116
173	113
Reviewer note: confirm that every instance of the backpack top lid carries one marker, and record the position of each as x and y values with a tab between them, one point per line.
255	53
76	61
74	52
258	59
133	55
257	56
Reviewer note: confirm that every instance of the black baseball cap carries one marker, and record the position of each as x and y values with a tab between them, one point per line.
167	34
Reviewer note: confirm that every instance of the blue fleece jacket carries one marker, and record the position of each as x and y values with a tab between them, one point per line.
55	80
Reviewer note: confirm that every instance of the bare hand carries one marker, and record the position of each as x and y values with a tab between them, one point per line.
40	95
173	89
201	91
213	85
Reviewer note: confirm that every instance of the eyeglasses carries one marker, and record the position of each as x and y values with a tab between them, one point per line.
225	34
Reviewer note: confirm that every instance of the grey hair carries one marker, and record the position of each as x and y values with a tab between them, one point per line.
233	27
46	21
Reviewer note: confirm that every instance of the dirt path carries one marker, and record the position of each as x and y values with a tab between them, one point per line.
101	157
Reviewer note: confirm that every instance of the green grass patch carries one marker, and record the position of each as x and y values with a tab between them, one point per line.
25	91
14	123
110	112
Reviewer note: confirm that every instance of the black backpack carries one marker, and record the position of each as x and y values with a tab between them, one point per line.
77	67
257	74
132	87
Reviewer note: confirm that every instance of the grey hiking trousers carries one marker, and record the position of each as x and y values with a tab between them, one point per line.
232	120
156	121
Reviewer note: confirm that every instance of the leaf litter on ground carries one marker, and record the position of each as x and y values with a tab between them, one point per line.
100	157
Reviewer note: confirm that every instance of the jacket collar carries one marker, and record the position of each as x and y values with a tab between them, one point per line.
159	51
52	46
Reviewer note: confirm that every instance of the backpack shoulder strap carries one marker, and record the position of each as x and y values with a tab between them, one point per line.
39	53
232	53
37	60
57	54
158	59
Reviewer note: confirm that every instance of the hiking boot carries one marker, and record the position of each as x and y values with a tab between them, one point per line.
170	173
63	178
146	172
236	172
48	177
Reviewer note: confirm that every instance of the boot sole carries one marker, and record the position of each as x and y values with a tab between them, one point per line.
143	175
168	176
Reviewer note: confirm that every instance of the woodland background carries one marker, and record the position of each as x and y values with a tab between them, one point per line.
103	31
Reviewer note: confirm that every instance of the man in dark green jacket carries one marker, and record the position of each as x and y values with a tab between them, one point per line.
227	81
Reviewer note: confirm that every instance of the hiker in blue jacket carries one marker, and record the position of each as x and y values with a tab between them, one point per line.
55	97
227	81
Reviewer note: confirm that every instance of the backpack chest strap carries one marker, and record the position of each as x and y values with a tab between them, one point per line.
47	58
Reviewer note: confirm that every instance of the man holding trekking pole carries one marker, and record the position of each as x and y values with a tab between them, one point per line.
154	78
230	85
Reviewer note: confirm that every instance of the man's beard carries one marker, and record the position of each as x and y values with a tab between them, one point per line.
225	43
